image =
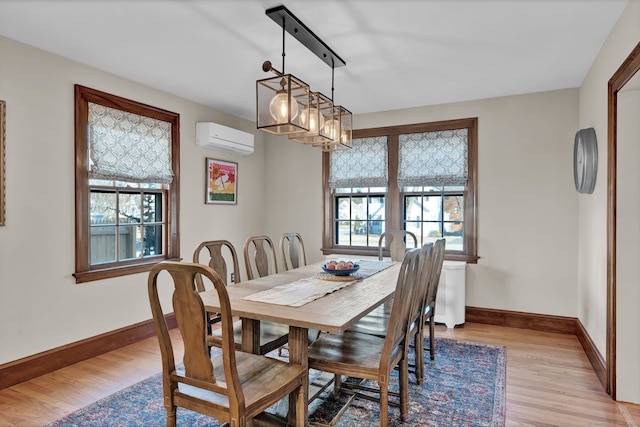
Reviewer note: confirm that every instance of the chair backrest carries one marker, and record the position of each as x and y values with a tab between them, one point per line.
292	251
406	288
217	259
434	276
260	257
397	241
191	318
425	268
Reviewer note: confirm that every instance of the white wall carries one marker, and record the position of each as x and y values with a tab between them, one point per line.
293	186
592	211
41	306
527	201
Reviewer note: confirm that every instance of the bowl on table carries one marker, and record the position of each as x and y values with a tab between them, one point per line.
340	268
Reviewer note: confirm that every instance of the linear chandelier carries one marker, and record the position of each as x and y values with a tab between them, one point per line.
286	105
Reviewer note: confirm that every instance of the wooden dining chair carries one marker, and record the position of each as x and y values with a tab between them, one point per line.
377	322
233	387
429	307
217	254
293	256
260	257
292	251
397	242
372	357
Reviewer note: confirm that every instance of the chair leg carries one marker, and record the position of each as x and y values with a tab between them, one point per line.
432	337
404	388
171	417
419	353
384	404
301	407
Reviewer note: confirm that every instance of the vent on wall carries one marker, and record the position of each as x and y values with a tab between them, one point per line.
219	137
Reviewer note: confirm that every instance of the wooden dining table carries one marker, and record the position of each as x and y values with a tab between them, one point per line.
334	312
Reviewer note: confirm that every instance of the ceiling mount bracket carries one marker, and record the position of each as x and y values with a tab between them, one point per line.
289	22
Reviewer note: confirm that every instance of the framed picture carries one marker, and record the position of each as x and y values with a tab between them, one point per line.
221	185
2	177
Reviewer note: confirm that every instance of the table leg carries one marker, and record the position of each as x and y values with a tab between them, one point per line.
298	354
251	336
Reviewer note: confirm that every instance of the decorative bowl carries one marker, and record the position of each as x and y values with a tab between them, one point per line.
355	268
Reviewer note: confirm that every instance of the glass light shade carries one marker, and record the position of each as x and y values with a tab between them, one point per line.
279	101
332	128
340	129
279	107
320	110
316	120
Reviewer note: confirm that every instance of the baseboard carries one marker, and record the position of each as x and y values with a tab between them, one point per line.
42	363
594	356
542	322
517	319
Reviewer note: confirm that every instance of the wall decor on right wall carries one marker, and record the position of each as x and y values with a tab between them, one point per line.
585	160
3	106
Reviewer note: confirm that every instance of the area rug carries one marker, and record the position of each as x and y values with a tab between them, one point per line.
464	386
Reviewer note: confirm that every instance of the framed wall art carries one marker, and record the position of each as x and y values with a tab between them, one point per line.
3	106
221	184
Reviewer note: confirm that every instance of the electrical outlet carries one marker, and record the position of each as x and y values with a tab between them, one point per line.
233	278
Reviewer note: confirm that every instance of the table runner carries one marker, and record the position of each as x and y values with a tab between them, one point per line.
303	291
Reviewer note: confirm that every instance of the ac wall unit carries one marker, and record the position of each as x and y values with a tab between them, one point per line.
219	137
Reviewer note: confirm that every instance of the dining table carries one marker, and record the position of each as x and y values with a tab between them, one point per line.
306	298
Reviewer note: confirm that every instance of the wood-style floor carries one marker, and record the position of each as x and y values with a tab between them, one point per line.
549	382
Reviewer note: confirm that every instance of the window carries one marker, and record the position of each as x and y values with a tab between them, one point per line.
127	185
420	177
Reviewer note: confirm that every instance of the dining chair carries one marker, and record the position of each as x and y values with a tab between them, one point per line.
377	322
371	357
293	256
292	251
233	387
260	257
217	254
429	307
396	241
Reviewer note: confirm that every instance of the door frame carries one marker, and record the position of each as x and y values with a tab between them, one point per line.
627	70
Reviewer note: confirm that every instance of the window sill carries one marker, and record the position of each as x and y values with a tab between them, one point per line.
448	256
107	273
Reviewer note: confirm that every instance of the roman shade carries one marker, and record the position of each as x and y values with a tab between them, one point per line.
365	165
128	147
433	158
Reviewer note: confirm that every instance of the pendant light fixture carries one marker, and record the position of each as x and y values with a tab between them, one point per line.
285	105
338	126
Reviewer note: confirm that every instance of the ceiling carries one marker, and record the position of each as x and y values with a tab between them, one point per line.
399	54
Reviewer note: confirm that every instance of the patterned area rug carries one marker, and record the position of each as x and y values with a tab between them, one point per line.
465	386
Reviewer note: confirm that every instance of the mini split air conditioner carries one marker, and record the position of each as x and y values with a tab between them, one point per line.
219	137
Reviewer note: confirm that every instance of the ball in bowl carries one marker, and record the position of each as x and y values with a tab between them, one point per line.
340	268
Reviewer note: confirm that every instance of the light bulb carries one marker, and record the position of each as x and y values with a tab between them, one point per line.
344	137
332	129
279	107
316	121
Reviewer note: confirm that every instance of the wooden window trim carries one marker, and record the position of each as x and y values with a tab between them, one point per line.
84	272
394	209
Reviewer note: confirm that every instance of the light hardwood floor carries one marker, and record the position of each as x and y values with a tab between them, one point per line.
549	381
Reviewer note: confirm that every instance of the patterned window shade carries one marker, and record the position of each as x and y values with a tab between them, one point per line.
364	165
128	147
433	158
